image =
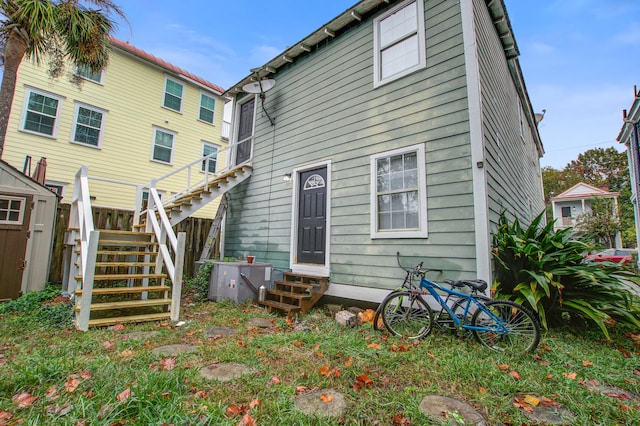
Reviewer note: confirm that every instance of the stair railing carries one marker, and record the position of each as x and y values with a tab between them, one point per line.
163	230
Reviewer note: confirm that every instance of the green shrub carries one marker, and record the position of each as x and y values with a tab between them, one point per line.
546	270
200	283
32	307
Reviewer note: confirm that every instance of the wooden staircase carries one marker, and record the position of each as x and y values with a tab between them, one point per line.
295	293
126	287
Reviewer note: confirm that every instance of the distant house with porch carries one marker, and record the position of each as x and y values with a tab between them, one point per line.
399	126
569	206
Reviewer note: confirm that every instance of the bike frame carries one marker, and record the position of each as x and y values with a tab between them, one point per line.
431	288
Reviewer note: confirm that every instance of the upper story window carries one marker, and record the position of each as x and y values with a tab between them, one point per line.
398	194
11	210
209	149
244	140
163	141
173	94
207	108
41	113
84	72
88	125
399	42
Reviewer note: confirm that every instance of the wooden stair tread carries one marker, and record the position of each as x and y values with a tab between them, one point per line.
125	304
113	277
134	264
119	232
279	305
126	290
133	318
291	284
290	294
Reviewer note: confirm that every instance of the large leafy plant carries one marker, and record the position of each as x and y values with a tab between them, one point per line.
546	270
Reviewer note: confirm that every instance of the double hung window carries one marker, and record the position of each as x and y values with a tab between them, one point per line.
42	112
163	142
207	108
173	94
89	125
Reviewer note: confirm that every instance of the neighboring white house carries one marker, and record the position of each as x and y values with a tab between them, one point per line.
576	201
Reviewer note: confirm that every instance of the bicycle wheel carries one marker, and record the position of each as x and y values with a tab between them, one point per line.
458	308
407	315
522	328
378	324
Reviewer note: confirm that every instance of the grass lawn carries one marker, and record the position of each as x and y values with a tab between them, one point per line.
52	375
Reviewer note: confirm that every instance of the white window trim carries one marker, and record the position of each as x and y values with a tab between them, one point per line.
164	92
215	105
20	213
213	145
236	126
75	125
62	185
422	55
59	98
153	145
100	82
421	232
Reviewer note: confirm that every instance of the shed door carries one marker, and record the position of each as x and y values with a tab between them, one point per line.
15	214
312	216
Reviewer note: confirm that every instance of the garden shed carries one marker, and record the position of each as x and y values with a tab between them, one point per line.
27	221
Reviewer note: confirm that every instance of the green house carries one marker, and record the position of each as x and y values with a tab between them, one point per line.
399	126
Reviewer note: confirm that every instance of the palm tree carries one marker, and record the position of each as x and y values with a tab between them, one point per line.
57	30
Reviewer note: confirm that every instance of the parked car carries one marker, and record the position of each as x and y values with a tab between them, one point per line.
613	255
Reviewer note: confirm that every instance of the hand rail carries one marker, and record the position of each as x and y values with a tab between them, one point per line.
81	215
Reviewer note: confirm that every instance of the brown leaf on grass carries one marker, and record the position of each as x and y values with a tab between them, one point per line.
349	362
52	393
126	353
242	344
71	384
168	363
483	390
5	415
326	398
515	374
275	380
290	322
503	367
625	353
325	371
587	363
430	355
532	400
301	389
401	420
571	375
545	363
200	394
519	403
85	374
24	399
549	376
374	346
634	337
400	348
235	410
298	343
254	403
367	316
124	395
118	327
108	345
247	420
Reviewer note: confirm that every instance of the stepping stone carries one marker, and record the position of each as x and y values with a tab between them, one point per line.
140	335
261	322
225	371
435	406
173	350
220	331
312	403
612	391
550	415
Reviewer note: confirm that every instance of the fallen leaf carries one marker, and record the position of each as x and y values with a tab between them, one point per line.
108	345
364	379
301	389
124	395
298	343
367	316
52	393
401	420
483	390
349	362
503	367
126	353
430	355
545	363
168	363
118	327
275	380
290	322
515	374
86	374
374	346
326	398
325	371
532	400
587	363
625	353
5	415
200	394
571	376
24	399
255	403
247	420
71	384
236	410
549	376
400	348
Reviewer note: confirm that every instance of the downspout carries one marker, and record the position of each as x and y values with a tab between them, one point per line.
480	196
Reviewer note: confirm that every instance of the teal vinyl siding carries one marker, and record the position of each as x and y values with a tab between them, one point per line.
325	108
513	171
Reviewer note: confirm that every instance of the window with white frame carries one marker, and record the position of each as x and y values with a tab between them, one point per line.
207	108
88	125
399	42
163	141
173	94
56	187
11	210
86	73
41	113
398	193
209	149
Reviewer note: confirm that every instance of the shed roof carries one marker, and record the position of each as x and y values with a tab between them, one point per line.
26	180
583	190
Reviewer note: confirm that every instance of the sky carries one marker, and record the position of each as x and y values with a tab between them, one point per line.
578	57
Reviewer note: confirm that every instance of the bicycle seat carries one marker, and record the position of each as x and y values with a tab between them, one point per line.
477	285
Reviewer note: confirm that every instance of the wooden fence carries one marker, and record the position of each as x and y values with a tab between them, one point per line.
197	230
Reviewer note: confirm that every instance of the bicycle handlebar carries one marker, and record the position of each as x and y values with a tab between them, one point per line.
417	269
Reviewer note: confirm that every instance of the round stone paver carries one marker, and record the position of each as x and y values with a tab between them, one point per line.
436	406
313	403
261	322
220	331
225	371
550	415
140	335
173	350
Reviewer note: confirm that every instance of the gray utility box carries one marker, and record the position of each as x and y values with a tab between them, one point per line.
226	282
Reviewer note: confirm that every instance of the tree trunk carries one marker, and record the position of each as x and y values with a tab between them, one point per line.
14	52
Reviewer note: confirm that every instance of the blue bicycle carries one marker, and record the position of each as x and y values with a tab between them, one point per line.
500	325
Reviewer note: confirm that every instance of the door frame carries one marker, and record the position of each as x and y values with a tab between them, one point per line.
235	120
302	268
